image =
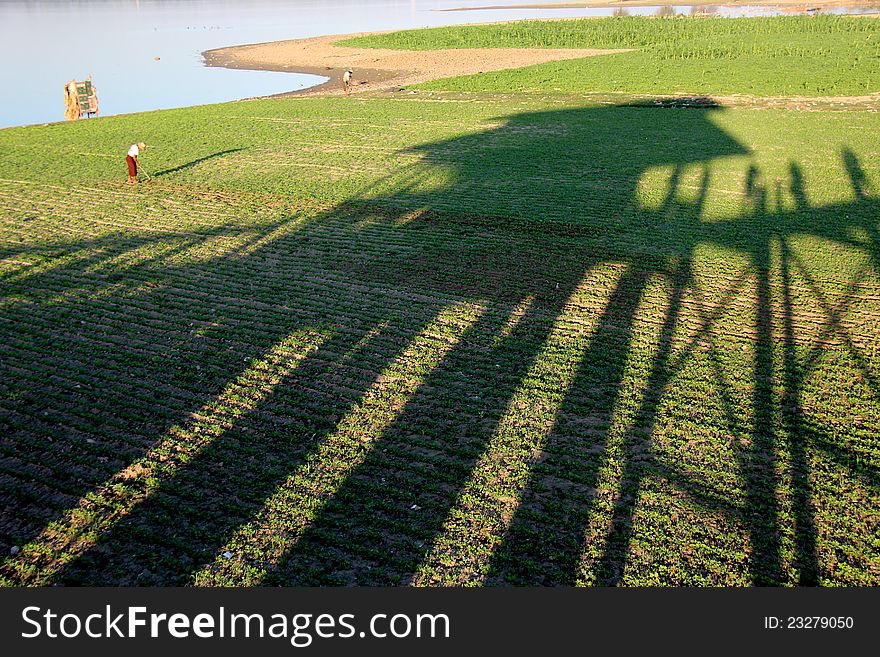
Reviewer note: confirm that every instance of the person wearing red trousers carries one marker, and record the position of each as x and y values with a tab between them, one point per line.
132	160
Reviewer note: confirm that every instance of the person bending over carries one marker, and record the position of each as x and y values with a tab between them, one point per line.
132	160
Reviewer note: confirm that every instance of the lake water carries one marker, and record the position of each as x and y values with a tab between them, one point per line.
146	54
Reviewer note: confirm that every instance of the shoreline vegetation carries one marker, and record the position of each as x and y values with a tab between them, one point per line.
497	330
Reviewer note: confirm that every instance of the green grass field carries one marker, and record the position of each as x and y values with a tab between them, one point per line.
442	338
821	55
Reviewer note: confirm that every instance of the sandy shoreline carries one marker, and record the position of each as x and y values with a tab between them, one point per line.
379	69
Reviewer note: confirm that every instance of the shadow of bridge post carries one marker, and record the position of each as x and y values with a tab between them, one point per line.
536	207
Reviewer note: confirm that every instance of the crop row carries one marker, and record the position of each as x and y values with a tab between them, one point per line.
339	397
533	342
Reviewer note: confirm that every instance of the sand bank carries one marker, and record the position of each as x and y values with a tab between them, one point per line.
380	69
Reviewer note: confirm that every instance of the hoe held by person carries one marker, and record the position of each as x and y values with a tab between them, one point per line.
132	160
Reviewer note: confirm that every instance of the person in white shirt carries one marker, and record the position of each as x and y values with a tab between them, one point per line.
132	160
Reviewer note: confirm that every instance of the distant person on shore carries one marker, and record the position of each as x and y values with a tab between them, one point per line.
346	81
132	160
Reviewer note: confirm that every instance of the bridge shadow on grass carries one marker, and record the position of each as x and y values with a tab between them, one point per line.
411	511
238	364
538	374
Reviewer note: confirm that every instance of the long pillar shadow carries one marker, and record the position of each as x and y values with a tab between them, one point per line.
549	529
54	450
184	524
379	525
404	516
543	542
243	431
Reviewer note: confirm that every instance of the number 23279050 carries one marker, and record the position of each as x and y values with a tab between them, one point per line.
808	622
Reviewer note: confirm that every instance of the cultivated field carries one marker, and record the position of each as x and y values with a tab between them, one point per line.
443	337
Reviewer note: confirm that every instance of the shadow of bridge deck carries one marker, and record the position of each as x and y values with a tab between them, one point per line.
545	235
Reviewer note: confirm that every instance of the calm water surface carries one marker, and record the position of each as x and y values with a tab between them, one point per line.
146	54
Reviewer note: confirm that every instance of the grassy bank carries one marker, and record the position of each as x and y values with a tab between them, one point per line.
442	339
789	55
